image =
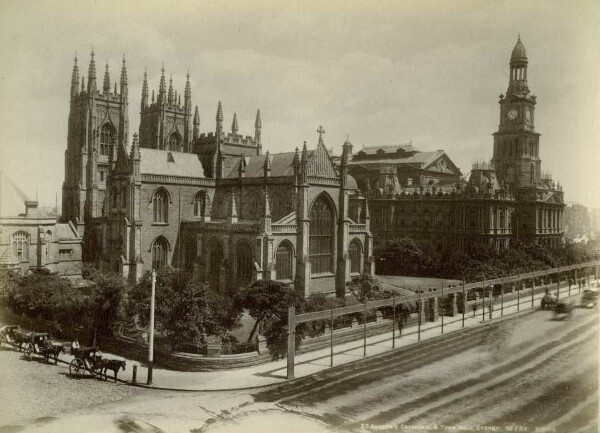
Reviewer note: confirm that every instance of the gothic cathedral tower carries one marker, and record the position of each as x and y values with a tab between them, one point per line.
98	123
166	123
516	144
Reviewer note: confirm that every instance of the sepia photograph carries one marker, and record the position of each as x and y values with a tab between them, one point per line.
306	216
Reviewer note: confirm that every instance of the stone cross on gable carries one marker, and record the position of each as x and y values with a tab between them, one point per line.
321	131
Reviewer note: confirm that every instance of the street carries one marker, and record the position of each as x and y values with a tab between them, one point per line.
466	380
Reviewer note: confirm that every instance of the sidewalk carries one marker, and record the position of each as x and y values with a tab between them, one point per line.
275	372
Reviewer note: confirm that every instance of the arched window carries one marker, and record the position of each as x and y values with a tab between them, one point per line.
115	197
199	204
160	206
355	252
278	205
439	219
532	173
106	138
159	253
402	219
415	218
472	220
174	142
321	236
123	197
283	261
20	242
426	218
502	218
252	204
243	263
215	257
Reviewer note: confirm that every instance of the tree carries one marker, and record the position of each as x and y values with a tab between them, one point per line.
183	311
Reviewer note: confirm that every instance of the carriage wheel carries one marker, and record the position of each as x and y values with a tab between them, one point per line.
95	371
76	368
28	350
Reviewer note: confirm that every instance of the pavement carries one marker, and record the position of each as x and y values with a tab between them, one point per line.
275	372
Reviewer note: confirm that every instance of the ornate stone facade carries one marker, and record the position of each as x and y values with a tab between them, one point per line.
422	195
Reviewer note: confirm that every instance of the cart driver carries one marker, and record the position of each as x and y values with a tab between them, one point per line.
75	345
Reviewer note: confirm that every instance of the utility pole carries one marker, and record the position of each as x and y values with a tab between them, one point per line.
151	337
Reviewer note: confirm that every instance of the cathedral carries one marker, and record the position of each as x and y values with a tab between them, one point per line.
209	203
422	195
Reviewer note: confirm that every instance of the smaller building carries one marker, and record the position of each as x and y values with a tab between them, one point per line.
34	240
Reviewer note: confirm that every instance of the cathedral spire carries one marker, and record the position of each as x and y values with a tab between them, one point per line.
162	87
106	84
92	74
74	78
257	132
196	132
124	79
234	124
144	103
170	97
187	95
219	119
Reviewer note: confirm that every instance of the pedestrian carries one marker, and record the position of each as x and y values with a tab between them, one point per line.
474	307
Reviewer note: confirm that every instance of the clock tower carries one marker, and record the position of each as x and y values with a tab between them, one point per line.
516	144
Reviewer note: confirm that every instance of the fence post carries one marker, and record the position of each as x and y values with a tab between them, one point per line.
569	282
291	341
394	321
442	302
558	284
134	374
331	335
532	291
419	322
502	297
518	291
483	301
577	281
464	303
365	330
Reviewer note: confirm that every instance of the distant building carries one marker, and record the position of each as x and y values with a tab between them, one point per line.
421	194
34	240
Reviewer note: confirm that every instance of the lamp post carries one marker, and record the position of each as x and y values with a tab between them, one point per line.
151	326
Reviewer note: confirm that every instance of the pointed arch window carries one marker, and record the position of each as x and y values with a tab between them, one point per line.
243	263
215	257
355	254
199	204
159	253
284	261
174	142
20	243
160	207
106	139
321	236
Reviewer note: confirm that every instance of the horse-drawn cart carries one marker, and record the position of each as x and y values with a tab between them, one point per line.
39	343
563	310
7	335
85	359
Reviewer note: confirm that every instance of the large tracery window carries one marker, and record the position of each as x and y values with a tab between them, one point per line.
160	207
243	268
20	243
321	236
354	251
283	261
106	134
159	253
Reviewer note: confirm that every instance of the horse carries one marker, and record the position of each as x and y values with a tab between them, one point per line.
112	364
52	351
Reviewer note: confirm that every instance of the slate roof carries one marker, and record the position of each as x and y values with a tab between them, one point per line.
421	158
168	163
282	164
65	232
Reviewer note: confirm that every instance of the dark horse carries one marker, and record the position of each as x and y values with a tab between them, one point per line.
112	364
52	351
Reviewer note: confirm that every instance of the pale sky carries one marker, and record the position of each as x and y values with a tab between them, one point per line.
382	72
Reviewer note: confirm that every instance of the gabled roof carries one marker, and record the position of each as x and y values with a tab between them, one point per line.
282	164
390	148
419	158
169	163
66	232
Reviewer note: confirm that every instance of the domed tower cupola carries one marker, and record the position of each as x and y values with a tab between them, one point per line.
518	69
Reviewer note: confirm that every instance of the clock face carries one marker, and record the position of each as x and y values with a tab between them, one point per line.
512	114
